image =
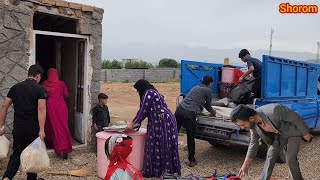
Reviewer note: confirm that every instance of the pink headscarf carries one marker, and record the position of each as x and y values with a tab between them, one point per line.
52	81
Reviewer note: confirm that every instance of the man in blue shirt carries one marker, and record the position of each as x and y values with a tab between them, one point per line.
254	67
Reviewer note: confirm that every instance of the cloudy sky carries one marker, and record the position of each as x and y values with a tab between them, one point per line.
210	24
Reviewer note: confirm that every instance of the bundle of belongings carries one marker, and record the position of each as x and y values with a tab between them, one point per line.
117	148
221	112
243	92
120	128
230	87
195	177
115	128
223	108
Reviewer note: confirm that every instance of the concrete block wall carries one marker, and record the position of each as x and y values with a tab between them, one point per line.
132	75
160	75
121	75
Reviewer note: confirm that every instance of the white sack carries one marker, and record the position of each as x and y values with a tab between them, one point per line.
4	146
34	158
220	111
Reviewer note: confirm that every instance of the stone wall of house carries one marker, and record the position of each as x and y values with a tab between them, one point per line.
15	23
15	42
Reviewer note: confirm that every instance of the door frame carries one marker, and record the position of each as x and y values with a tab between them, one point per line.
87	59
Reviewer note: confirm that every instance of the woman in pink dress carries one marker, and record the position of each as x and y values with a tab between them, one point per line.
56	128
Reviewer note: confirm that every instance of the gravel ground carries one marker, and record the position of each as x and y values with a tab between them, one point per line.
226	159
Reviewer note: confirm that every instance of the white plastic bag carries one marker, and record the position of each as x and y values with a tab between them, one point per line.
4	146
34	158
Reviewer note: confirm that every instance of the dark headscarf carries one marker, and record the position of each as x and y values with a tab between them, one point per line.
142	86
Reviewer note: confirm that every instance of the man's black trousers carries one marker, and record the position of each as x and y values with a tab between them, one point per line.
188	120
22	137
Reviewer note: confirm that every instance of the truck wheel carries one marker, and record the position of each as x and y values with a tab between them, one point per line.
215	143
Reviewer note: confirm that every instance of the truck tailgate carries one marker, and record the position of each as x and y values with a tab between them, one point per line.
215	129
217	122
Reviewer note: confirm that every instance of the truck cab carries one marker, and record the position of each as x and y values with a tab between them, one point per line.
291	83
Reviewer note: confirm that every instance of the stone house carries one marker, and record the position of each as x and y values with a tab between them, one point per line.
59	34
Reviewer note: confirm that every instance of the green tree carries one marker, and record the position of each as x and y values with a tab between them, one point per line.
108	64
105	64
116	64
138	65
168	63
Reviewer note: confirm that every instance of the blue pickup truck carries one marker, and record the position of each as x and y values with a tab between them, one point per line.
289	82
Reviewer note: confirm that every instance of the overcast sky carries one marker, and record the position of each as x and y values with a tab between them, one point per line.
213	24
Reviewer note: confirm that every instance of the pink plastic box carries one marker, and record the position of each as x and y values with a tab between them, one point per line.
135	158
227	75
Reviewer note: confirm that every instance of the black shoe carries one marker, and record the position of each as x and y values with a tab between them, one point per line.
64	156
192	163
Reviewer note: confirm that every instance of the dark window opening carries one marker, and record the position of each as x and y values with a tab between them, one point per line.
46	22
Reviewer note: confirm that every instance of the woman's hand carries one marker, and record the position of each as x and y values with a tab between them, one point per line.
129	127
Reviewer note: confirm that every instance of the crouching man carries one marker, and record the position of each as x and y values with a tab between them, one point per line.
278	127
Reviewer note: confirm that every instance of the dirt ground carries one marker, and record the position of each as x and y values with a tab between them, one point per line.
123	103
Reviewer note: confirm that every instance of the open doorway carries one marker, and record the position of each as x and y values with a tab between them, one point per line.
56	45
67	55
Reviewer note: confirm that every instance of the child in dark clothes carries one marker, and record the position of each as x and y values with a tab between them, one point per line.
101	116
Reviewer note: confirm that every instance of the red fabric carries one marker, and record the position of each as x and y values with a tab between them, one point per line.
118	159
56	127
237	74
52	81
212	178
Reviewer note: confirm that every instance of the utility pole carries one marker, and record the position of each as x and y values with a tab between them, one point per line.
272	31
318	52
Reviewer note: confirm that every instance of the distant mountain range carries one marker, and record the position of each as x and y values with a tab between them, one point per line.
314	61
153	53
